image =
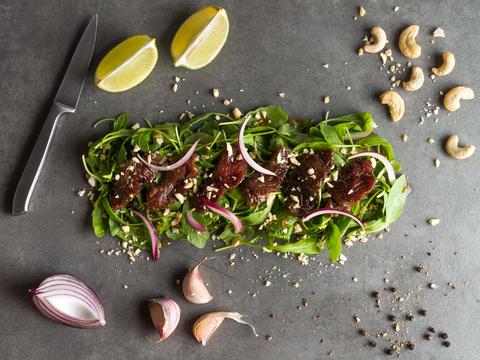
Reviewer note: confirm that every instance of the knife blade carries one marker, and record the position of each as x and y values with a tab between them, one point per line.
66	101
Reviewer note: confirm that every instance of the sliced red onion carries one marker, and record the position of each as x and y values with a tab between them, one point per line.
175	165
195	224
69	301
151	231
246	156
388	165
227	214
332	211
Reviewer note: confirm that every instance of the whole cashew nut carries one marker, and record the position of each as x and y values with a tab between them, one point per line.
452	98
379	41
407	43
395	104
457	152
447	66
416	80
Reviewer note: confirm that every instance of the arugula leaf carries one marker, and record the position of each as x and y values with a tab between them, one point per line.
98	220
120	122
305	246
330	134
333	241
396	199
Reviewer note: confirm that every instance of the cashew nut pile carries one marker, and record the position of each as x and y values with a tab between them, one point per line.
416	79
379	41
456	152
395	103
452	98
407	43
447	66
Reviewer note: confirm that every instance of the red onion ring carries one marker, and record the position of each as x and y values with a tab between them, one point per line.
175	165
388	165
246	156
332	211
227	214
195	224
151	231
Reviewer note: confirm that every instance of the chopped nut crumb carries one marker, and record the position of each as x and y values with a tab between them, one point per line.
437	163
326	99
396	8
404	137
361	11
438	32
281	94
215	92
175	87
268	283
325	66
226	102
433	222
237	114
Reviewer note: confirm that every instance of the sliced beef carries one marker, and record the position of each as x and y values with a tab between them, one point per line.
302	183
228	174
132	174
173	182
355	180
257	187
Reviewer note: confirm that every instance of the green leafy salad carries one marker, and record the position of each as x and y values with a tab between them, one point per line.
323	213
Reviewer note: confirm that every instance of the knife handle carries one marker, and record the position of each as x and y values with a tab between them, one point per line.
34	166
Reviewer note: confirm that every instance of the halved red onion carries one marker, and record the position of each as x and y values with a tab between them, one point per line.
246	156
227	214
332	211
388	165
69	301
151	231
175	165
195	224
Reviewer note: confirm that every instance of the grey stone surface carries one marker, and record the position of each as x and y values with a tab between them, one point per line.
273	46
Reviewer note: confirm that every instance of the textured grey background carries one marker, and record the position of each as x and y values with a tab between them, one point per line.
273	46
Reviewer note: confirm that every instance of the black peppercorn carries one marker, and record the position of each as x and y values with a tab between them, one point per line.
427	337
444	336
409	317
391	317
363	332
410	346
372	343
446	343
431	329
422	312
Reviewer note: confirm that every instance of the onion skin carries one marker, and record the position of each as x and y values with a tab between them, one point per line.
194	288
207	324
388	165
165	315
237	224
332	211
246	156
69	301
151	231
175	165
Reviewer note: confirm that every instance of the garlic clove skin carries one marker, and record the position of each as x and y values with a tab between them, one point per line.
69	301
165	315
207	324
194	288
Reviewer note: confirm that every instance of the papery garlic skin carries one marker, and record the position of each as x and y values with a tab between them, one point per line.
194	288
69	301
207	324
165	315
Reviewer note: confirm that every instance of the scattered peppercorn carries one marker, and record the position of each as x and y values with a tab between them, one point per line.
431	329
422	312
409	317
363	332
419	269
392	289
443	336
372	343
391	317
446	343
389	351
376	294
427	337
410	346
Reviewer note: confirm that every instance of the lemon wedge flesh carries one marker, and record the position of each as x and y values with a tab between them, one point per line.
127	64
200	38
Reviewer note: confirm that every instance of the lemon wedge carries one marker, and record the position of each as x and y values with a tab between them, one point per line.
200	38
127	64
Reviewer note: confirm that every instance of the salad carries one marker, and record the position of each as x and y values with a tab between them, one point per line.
264	180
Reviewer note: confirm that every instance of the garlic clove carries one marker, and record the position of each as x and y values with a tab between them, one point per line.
194	288
69	301
165	314
207	324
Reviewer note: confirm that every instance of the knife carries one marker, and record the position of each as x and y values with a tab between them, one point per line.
66	101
